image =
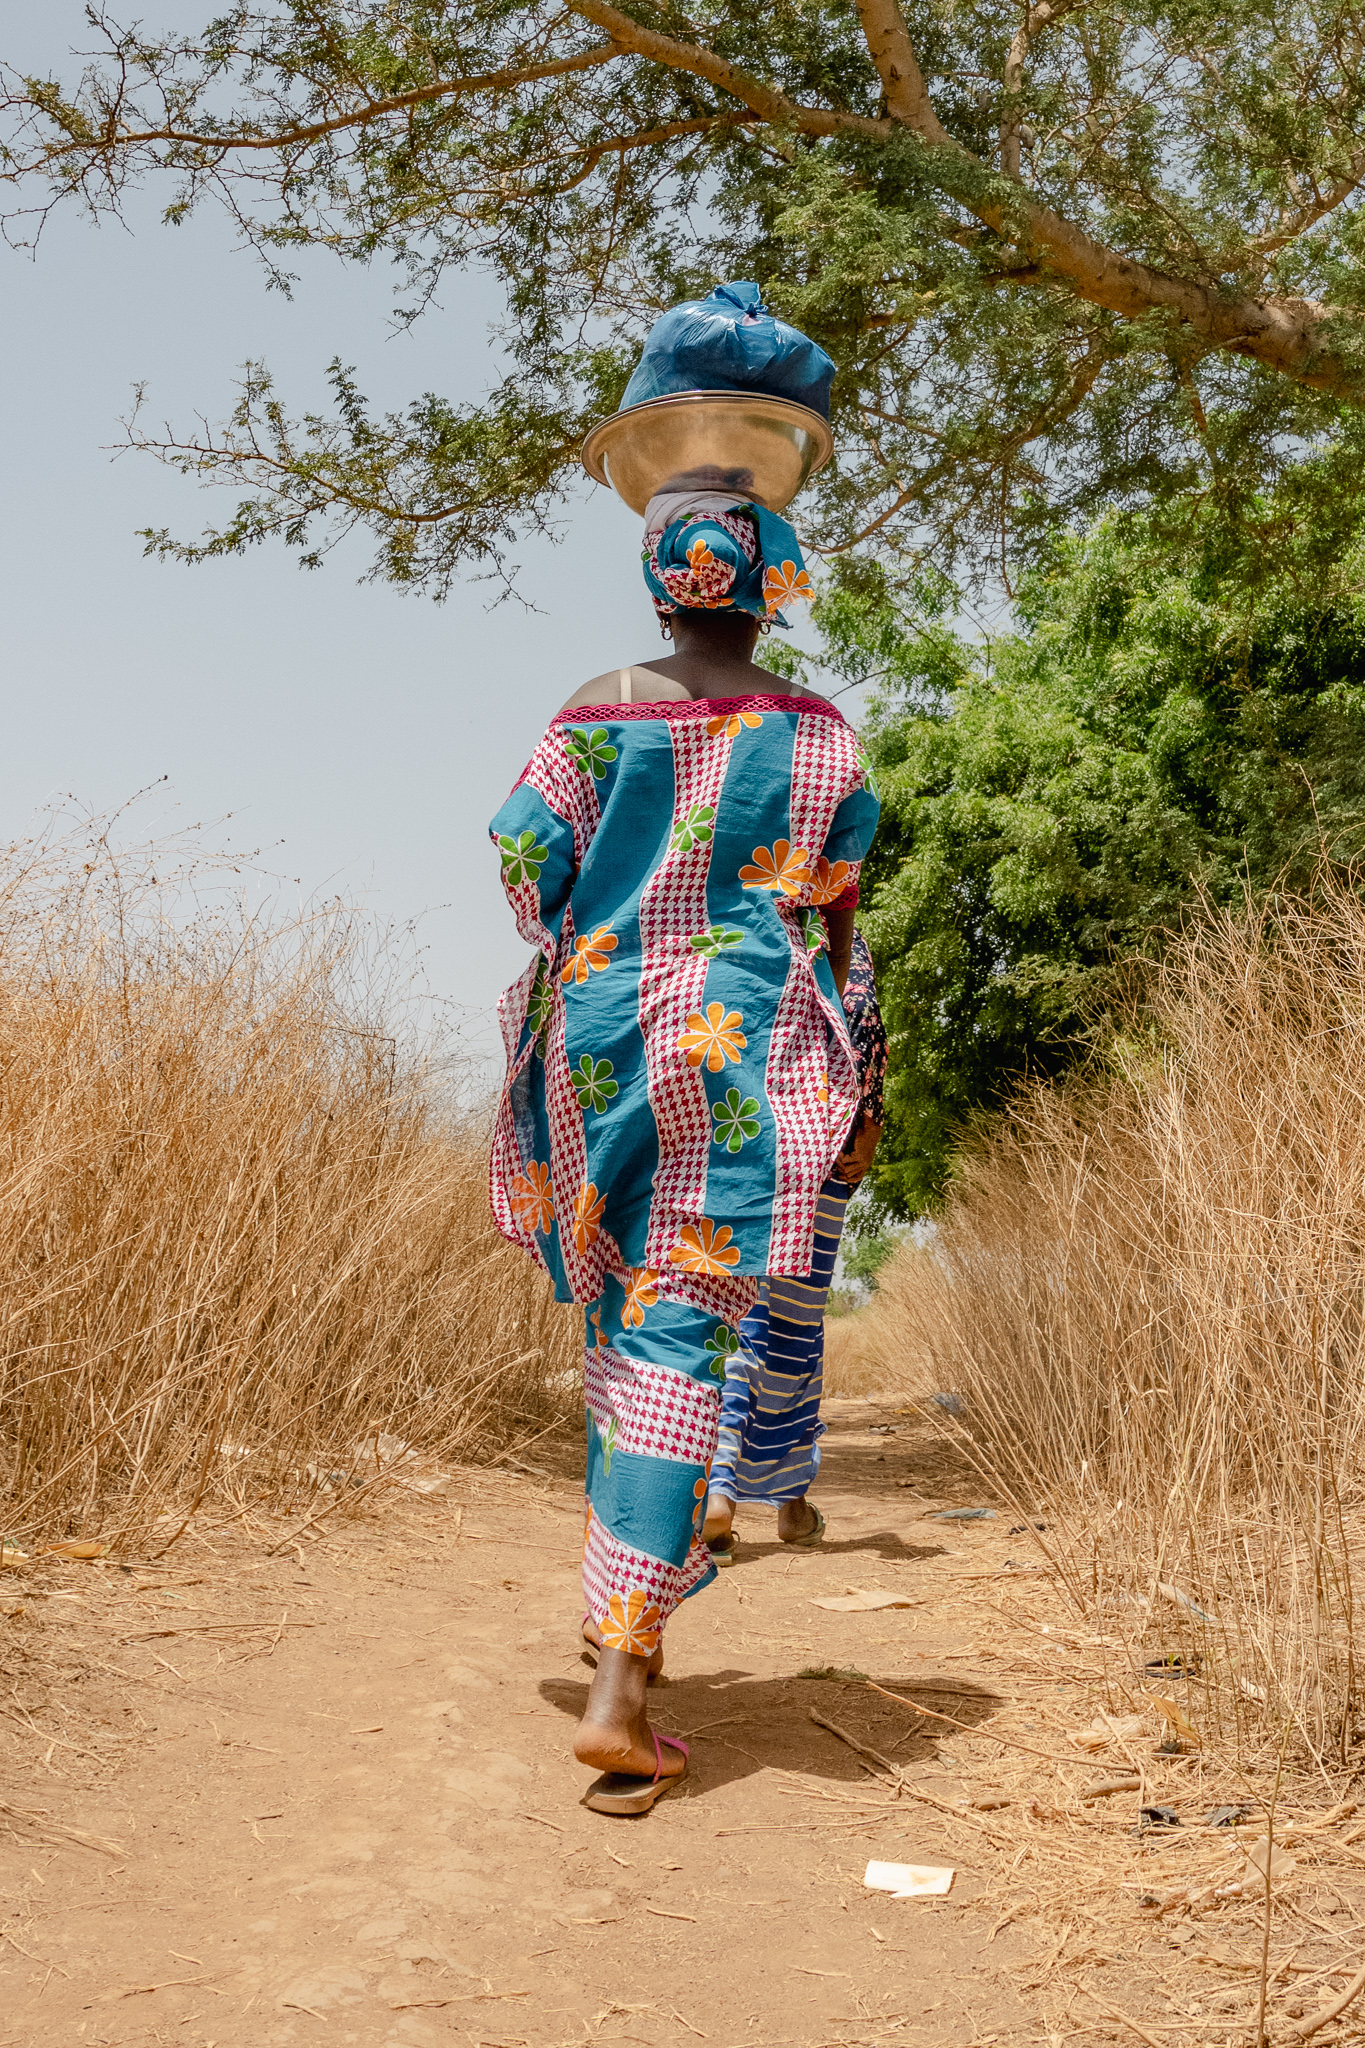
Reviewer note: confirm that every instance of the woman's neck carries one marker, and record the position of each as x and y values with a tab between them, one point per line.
704	672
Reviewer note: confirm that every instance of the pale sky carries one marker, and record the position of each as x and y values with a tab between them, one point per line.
360	737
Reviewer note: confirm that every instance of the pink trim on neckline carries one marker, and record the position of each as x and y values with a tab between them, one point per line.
700	707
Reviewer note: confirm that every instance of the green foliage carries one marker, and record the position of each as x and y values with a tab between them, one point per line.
1162	732
867	1247
1107	258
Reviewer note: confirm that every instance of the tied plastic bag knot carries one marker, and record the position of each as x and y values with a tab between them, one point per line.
729	341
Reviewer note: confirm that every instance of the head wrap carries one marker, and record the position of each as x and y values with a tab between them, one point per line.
712	551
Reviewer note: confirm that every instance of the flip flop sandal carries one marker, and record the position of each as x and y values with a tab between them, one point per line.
618	1792
592	1651
811	1537
724	1550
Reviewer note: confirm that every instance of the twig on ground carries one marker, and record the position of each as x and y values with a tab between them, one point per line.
1332	2011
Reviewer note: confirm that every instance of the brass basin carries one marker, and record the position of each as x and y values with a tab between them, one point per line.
768	448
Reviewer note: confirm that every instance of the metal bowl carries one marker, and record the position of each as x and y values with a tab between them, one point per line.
766	447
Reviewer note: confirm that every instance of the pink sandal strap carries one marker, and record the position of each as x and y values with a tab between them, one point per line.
674	1742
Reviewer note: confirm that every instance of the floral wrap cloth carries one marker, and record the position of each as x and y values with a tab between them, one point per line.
656	1355
704	552
679	1074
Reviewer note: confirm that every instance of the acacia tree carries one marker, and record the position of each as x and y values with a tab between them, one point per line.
1066	253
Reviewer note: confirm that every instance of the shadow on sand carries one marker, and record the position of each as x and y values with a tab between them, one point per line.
739	1725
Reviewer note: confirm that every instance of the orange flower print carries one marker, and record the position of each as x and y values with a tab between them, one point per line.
590	951
822	1092
599	1334
829	879
699	1495
781	866
642	1293
785	585
532	1197
714	1038
631	1623
587	1216
732	725
703	582
702	1248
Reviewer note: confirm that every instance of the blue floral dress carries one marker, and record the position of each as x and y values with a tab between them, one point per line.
679	1074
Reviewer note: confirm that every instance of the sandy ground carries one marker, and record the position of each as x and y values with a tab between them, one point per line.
338	1802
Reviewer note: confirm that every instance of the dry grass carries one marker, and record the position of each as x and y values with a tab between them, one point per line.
241	1231
1151	1295
855	1362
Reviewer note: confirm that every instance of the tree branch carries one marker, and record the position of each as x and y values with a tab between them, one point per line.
907	95
620	144
1281	333
313	131
1035	19
764	100
1296	224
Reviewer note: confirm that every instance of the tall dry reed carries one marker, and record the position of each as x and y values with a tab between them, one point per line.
242	1230
1150	1293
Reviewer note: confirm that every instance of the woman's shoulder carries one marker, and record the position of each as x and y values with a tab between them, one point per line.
646	687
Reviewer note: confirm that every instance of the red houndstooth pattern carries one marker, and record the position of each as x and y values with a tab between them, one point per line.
809	1056
659	1413
672	981
505	1161
610	1566
568	791
824	771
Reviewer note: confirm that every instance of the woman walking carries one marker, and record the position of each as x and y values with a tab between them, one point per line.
680	1078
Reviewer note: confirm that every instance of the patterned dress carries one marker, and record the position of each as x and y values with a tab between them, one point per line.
680	1078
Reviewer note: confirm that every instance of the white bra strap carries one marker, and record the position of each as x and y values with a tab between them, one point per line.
626	697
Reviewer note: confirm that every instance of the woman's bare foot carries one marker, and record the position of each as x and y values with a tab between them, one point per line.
795	1519
592	1635
614	1734
720	1515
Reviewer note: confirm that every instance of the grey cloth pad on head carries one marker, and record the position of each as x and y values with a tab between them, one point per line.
667	506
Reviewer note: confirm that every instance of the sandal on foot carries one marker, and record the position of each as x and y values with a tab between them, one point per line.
592	1651
811	1537
724	1549
619	1792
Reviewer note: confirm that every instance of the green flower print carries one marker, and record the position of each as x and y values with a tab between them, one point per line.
722	1344
522	859
693	830
717	940
609	1445
736	1119
864	761
592	1082
540	1007
815	931
590	752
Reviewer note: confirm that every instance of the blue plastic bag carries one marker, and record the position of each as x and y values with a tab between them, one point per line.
728	341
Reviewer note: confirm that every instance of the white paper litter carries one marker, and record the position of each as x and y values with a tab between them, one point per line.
1106	1728
909	1880
856	1601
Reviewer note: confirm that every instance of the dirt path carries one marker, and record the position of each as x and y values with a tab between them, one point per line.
347	1812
